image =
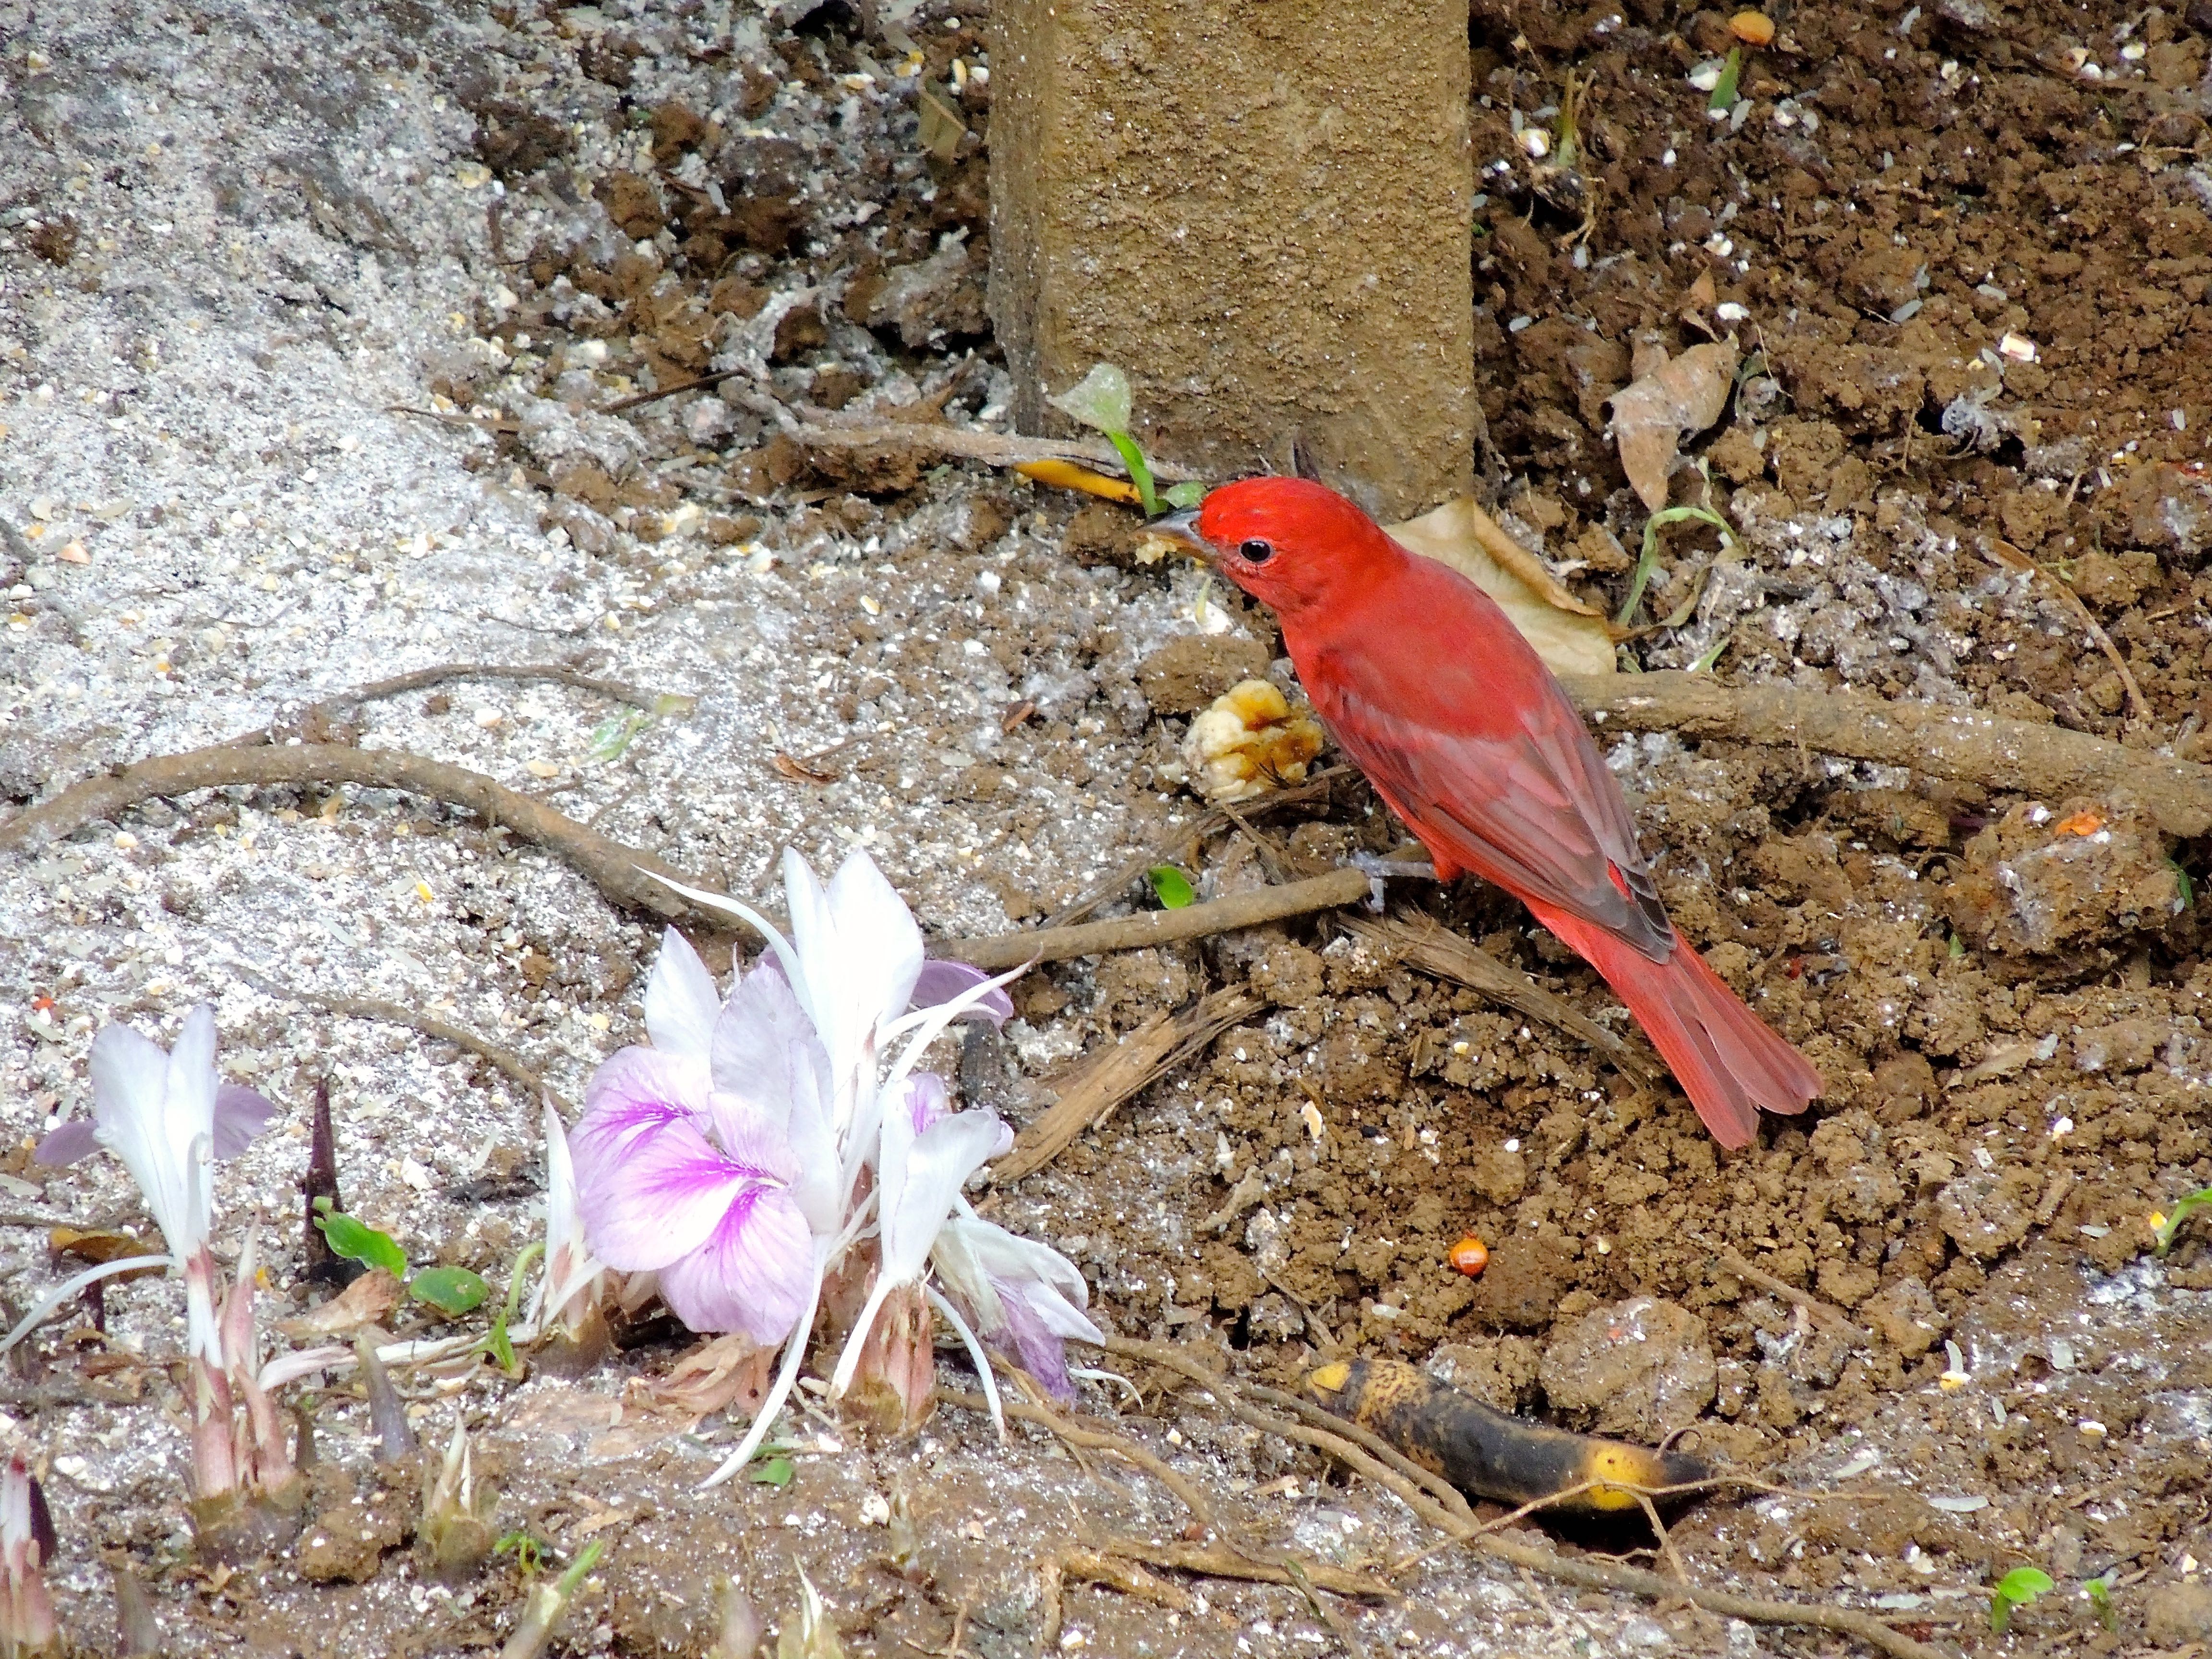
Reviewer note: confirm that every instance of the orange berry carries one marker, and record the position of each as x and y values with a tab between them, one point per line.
1470	1256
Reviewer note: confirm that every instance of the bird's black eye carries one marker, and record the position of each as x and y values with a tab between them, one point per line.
1255	551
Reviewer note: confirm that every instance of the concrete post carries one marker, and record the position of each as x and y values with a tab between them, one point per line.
1262	209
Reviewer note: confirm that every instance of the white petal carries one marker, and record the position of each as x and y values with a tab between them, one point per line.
920	1184
130	1086
680	1001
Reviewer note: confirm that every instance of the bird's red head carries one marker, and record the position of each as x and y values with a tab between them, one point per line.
1289	543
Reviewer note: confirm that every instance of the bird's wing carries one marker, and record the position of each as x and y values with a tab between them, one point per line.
1490	765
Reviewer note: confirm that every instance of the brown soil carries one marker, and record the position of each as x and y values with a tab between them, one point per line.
2004	997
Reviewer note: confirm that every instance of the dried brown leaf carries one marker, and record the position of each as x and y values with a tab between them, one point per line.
1670	399
364	1302
1570	636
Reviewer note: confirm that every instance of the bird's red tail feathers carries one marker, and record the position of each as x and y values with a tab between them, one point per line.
1728	1062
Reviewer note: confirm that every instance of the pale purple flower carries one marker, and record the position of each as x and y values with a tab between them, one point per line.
1023	1297
744	1179
681	1180
26	1544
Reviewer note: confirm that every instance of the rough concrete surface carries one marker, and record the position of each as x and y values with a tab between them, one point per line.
1263	213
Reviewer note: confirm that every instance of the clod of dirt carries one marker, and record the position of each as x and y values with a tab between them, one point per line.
1525	1281
2037	881
1501	1372
1987	1212
1905	1316
1670	399
346	1541
1192	669
2175	1615
1637	1368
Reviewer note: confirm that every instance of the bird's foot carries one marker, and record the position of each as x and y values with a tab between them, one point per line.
1376	869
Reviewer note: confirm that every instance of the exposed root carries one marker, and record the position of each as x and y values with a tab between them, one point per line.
2044	761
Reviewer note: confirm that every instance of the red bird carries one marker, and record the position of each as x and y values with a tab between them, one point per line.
1461	728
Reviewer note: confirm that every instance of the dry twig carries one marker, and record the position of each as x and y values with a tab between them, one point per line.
619	871
1110	1078
1427	944
1249	909
972	444
1827	1314
2010	556
1174	848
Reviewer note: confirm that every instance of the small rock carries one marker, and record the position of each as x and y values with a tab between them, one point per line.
1905	1316
1501	1372
1638	1368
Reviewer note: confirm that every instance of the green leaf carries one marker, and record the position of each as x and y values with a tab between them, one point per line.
1173	886
2100	1597
2015	1590
772	1472
1723	96
1189	493
611	737
2168	1227
1100	400
1140	474
2187	888
451	1291
356	1240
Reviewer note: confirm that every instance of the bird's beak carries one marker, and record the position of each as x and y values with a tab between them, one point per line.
1182	525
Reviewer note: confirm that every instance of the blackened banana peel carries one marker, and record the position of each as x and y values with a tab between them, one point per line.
1486	1453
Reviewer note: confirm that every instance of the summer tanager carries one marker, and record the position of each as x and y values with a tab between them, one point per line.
1461	728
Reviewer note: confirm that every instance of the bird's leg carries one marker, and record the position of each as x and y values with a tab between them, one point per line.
1401	863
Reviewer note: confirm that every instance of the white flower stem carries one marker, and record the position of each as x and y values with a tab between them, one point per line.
779	1390
215	1456
939	1300
849	1360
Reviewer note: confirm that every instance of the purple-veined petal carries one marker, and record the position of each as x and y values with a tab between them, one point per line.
241	1114
67	1142
660	1197
926	1100
752	1273
637	1087
941	982
680	1001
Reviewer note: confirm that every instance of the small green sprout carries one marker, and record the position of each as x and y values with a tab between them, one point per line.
530	1552
2015	1590
772	1472
451	1291
1724	98
610	739
1647	561
1101	401
1173	887
1567	141
2100	1592
495	1340
2184	889
2166	1225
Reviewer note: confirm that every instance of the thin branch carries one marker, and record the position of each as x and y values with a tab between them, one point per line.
1116	1073
997	448
1734	1262
620	872
1173	847
1222	915
2044	761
